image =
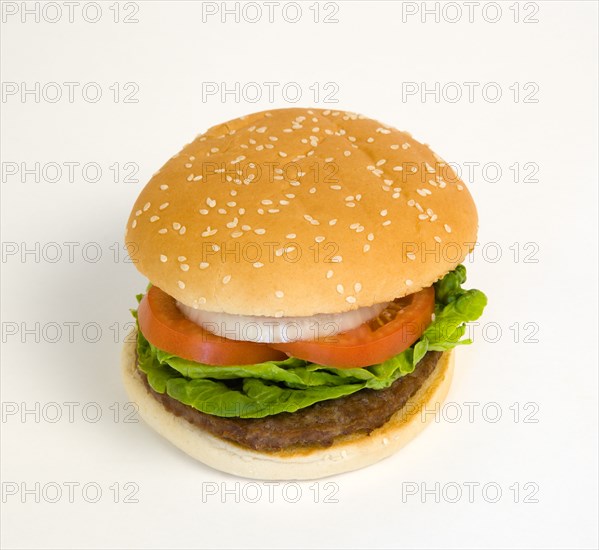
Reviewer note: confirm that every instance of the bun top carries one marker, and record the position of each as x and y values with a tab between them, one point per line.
294	212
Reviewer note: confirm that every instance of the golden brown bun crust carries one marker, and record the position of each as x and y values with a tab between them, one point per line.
376	215
353	453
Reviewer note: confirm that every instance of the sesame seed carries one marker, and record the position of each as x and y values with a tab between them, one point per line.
181	284
279	293
236	234
134	224
163	258
329	273
357	287
388	222
366	248
437	238
204	265
184	267
163	206
163	187
226	279
291	236
336	259
350	299
370	236
409	282
176	226
210	202
319	239
258	264
340	288
162	231
260	231
447	228
411	256
154	219
181	258
383	212
146	206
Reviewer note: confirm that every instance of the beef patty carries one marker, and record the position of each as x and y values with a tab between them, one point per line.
315	426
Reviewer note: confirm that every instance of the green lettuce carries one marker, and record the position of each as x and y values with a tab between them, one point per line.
273	387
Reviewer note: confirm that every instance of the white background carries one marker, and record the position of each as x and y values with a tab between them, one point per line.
372	49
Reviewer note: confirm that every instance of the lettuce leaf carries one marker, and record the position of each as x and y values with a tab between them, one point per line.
272	387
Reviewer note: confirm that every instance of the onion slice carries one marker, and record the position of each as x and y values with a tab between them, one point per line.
270	330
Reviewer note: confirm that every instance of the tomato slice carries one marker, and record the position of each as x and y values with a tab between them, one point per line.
164	326
393	331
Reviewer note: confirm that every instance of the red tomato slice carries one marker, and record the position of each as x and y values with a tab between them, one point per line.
393	331
164	326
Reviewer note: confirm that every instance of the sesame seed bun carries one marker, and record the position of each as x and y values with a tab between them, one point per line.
294	212
350	453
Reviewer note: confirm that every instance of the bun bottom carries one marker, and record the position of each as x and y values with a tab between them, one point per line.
350	453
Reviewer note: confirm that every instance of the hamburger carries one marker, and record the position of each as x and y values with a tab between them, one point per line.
305	292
